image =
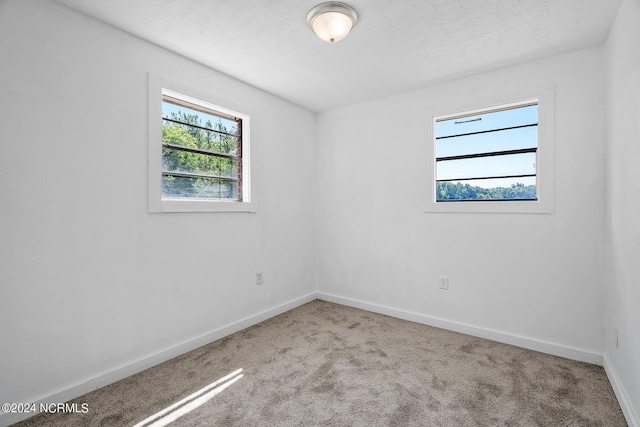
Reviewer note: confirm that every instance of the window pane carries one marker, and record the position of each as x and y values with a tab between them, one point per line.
181	161
500	182
202	147
498	189
190	136
179	187
513	164
195	117
517	116
511	139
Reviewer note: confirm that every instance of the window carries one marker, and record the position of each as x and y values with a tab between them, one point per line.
199	152
497	158
488	155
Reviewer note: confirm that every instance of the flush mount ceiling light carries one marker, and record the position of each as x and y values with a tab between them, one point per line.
332	21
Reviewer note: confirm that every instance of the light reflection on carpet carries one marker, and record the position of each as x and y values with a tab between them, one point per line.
191	402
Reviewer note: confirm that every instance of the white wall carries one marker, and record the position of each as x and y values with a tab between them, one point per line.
623	205
91	282
531	276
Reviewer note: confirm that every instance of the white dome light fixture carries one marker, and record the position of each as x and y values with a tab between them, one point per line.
332	21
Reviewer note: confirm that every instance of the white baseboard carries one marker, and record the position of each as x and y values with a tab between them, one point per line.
625	403
528	343
117	374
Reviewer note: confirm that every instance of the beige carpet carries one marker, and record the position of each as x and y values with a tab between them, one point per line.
327	364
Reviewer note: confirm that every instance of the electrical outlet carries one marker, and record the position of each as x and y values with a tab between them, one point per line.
259	278
444	282
615	336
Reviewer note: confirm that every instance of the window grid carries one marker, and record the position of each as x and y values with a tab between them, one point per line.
485	154
231	186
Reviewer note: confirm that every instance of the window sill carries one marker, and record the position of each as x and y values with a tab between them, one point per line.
178	205
533	206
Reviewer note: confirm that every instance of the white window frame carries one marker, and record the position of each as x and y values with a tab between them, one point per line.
156	202
544	156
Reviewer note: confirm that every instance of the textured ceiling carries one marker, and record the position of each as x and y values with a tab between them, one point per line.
396	45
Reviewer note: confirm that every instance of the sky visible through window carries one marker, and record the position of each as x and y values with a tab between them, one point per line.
455	142
169	108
